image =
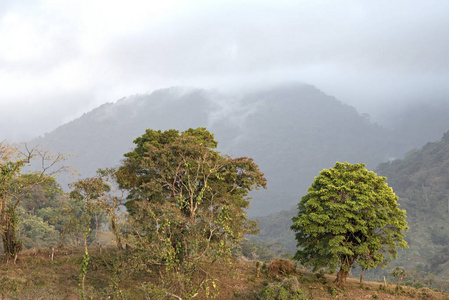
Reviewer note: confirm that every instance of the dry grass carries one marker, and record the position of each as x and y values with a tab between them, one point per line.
36	276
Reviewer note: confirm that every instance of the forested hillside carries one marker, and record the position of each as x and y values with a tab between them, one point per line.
421	181
292	131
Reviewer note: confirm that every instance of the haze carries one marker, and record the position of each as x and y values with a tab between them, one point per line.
59	59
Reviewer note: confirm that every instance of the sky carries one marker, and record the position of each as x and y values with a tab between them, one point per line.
62	58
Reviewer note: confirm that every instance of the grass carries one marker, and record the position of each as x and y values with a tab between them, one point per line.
36	276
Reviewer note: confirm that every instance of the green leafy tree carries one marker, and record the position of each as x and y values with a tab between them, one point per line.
348	216
34	232
37	212
187	204
16	185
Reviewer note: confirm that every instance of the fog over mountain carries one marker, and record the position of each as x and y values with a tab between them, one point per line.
60	59
292	131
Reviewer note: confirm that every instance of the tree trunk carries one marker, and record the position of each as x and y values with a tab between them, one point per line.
341	277
345	267
117	234
11	246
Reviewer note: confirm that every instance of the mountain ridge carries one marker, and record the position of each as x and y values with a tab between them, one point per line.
292	131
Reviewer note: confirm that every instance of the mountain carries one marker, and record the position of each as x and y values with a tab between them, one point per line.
292	131
99	138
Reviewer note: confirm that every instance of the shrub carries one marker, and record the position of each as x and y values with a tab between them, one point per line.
281	267
288	289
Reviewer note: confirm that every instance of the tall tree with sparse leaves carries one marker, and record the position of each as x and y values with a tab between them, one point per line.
187	203
87	192
349	216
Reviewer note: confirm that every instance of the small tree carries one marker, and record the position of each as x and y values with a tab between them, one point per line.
399	274
348	216
86	192
110	200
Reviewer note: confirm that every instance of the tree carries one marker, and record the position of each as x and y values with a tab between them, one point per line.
104	198
86	191
15	186
187	203
38	212
111	200
349	215
399	274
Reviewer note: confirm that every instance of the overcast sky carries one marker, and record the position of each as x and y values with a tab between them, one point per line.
59	59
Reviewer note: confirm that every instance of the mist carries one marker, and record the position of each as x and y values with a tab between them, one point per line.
60	60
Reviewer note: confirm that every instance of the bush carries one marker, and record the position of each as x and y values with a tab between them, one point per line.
288	289
281	267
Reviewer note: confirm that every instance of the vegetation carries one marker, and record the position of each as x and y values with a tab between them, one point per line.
186	207
183	235
422	185
349	216
399	274
14	186
420	182
36	276
40	216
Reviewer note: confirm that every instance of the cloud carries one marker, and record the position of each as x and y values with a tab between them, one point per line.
70	56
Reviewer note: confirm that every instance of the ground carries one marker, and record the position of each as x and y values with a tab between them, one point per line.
36	276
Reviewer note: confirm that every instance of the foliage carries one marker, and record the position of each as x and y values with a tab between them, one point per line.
34	232
86	191
420	180
187	205
110	201
257	250
281	267
348	216
41	222
288	289
399	274
15	186
275	228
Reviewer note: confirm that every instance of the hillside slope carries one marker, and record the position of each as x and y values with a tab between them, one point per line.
421	181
